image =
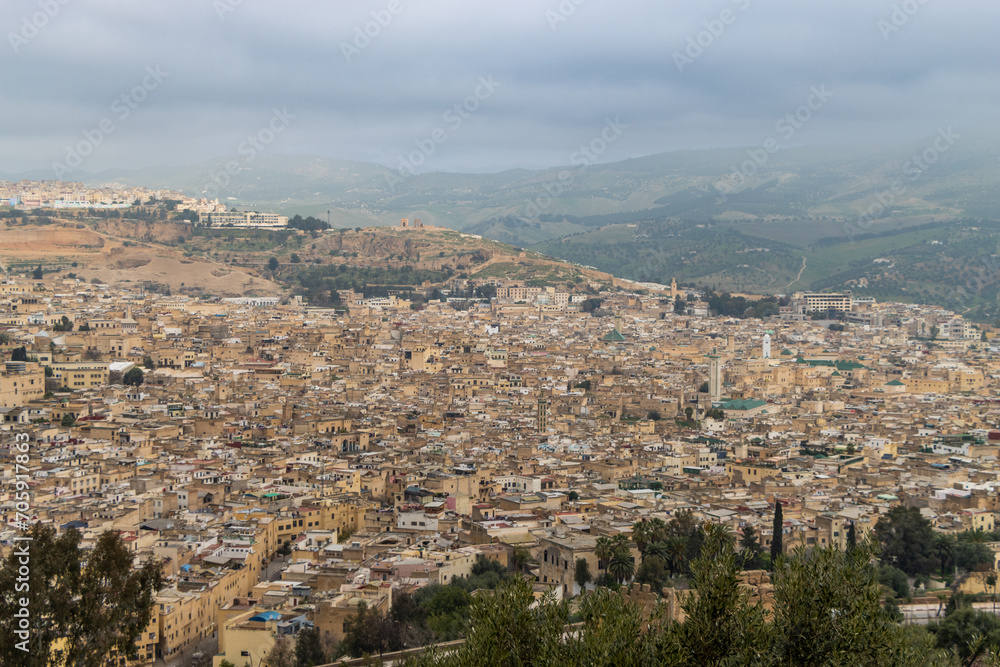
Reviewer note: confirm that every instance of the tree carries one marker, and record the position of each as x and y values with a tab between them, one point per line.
675	554
521	558
642	535
603	549
907	539
371	632
653	571
852	537
309	649
148	362
37	273
776	533
719	540
19	354
750	548
828	611
968	631
573	495
895	580
281	654
971	552
582	575
621	567
295	259
944	547
94	600
134	377
272	264
67	420
722	626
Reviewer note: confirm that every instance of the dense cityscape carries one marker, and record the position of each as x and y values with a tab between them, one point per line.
282	462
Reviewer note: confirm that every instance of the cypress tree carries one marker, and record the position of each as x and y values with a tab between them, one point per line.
776	533
852	537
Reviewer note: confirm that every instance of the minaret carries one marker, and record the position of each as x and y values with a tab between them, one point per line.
543	415
714	377
767	345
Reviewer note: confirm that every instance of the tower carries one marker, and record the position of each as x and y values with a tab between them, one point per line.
767	345
543	415
714	377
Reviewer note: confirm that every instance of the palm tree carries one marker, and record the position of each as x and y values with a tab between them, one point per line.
604	549
977	536
657	529
620	541
656	550
944	545
676	550
4	337
642	535
719	539
621	566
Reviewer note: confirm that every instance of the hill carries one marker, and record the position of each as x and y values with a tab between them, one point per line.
905	222
195	260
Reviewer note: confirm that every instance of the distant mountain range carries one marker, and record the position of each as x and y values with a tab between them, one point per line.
917	221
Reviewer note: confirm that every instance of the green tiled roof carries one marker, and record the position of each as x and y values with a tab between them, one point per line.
742	404
613	336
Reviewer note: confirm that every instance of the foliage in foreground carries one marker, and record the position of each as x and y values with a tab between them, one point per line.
827	611
94	600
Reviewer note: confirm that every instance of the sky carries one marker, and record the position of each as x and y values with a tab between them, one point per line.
449	85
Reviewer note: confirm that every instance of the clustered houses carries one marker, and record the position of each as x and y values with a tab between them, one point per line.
27	195
286	462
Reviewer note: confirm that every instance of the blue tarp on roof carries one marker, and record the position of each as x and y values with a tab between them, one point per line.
266	616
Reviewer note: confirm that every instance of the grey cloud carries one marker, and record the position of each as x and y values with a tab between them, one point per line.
558	85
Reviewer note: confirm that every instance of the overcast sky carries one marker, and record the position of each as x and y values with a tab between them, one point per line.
557	71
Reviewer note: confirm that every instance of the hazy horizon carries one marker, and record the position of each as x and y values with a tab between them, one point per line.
448	87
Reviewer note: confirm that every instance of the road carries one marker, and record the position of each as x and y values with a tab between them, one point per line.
803	268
